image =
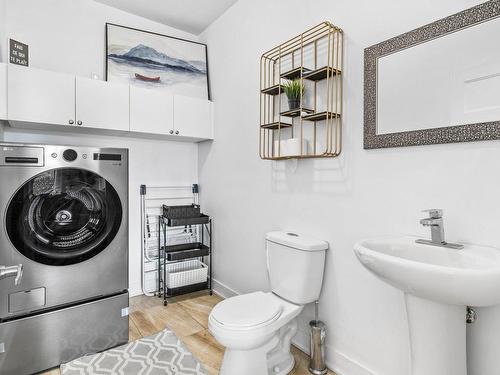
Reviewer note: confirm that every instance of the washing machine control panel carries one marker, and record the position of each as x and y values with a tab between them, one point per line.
108	157
52	156
20	156
70	155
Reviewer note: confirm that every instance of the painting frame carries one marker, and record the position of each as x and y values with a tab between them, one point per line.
106	57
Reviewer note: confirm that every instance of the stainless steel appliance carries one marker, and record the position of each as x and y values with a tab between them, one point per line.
63	254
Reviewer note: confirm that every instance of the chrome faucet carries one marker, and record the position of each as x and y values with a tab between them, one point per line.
435	222
12	271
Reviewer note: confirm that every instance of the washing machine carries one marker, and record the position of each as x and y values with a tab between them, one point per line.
63	254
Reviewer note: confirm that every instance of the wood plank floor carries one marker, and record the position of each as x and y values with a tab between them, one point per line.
187	317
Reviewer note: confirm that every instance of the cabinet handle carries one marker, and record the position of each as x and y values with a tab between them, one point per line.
171	132
79	122
71	122
176	132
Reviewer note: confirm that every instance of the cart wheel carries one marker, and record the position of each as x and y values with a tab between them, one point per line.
164	303
211	293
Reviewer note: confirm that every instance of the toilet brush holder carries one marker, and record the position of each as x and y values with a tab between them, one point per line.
317	364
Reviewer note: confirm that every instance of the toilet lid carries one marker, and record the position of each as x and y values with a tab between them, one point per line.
248	310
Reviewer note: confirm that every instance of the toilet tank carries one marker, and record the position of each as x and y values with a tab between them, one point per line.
296	265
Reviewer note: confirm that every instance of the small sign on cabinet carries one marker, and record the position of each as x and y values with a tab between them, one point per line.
18	53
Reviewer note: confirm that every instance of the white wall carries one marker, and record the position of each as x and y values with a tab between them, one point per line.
3	38
68	36
3	43
361	194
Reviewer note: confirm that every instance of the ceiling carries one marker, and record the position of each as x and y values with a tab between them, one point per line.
192	16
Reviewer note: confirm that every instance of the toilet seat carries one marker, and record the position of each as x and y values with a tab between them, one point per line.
248	311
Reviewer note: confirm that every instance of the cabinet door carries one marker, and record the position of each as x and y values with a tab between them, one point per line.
193	117
3	91
102	105
40	96
151	111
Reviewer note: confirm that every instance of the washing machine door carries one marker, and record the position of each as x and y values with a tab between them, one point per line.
63	216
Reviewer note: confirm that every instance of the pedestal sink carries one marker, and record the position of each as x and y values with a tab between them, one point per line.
438	285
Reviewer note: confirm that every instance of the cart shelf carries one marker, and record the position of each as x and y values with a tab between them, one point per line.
172	292
202	219
182	255
186	251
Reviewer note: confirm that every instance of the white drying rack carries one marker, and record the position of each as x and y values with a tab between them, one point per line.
152	200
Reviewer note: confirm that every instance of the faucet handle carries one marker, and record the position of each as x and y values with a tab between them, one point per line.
434	213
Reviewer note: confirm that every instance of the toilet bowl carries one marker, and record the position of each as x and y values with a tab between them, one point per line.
256	329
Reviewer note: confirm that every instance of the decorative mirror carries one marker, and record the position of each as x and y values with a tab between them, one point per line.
437	84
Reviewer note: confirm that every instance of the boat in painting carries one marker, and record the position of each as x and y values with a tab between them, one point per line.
141	77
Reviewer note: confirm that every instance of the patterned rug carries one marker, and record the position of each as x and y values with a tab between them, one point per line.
162	353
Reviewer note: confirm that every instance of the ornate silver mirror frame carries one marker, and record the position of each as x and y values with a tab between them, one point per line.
450	134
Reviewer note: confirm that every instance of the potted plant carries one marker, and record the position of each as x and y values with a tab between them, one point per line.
294	91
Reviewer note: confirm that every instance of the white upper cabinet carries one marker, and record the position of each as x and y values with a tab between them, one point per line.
102	105
151	111
3	91
40	96
39	99
193	117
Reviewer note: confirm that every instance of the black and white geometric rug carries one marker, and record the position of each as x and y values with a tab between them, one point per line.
162	353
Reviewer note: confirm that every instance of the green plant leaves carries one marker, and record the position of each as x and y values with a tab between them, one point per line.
294	89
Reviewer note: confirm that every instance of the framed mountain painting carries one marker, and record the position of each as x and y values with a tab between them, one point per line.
156	61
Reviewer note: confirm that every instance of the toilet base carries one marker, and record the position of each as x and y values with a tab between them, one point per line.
247	362
280	360
284	367
272	358
255	362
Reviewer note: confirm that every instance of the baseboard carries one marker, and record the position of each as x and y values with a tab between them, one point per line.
222	289
340	363
343	365
134	290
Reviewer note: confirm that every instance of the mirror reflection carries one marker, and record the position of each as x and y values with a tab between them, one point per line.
448	81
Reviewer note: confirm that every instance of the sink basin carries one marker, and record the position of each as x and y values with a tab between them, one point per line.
467	277
438	284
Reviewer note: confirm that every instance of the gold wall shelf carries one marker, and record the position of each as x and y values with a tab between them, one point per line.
314	129
273	90
297	112
275	125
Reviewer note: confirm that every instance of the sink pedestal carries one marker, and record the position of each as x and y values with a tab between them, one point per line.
437	337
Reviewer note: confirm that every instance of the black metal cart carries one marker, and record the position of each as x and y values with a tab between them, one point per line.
181	254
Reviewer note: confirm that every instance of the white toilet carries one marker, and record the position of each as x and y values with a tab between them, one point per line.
257	328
